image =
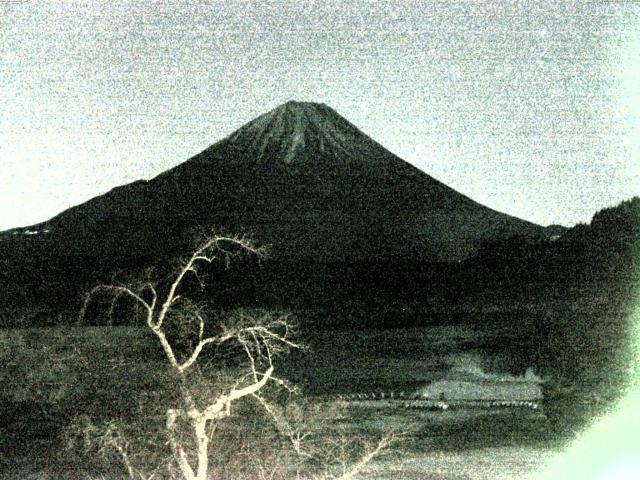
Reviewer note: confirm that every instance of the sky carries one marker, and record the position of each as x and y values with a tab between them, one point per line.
531	108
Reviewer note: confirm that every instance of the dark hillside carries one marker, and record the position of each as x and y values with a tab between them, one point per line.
585	286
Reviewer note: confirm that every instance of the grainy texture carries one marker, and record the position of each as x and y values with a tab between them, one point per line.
528	107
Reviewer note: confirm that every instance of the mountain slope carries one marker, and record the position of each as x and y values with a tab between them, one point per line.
301	178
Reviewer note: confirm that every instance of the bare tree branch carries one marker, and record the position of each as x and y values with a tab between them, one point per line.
196	352
200	255
366	458
179	452
117	290
213	410
252	360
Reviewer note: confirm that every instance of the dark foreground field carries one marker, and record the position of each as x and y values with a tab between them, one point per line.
53	376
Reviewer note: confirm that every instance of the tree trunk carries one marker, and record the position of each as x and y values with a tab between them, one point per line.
200	425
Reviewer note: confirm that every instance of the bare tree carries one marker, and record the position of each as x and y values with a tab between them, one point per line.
261	339
258	338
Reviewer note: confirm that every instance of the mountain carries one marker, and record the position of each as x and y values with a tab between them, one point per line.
300	178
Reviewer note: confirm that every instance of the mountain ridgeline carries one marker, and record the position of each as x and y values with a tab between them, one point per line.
300	178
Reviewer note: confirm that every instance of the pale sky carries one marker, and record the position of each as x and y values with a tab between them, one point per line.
531	108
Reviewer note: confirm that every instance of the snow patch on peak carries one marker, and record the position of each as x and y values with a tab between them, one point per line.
304	132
